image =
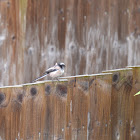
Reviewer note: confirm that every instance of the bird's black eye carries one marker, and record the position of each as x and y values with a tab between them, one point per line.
61	65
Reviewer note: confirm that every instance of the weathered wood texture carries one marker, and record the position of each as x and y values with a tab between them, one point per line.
33	112
121	104
99	121
135	116
88	35
77	108
88	107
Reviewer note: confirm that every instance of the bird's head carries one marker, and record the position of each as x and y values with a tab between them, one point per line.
61	65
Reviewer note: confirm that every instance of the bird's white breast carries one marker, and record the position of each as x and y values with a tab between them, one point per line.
57	73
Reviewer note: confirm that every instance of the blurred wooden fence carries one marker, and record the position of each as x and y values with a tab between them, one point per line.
89	36
86	107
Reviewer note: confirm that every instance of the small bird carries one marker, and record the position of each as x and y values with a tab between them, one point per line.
54	72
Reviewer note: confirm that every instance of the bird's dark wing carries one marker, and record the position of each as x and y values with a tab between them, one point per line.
40	77
46	72
50	70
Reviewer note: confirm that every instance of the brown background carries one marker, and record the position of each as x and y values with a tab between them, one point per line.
88	35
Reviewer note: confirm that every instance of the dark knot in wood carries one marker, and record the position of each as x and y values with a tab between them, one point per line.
33	91
83	85
48	89
20	97
130	80
61	90
13	37
2	97
115	78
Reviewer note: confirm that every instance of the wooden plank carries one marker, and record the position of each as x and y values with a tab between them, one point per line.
121	101
11	99
43	113
99	120
82	109
31	115
68	123
77	108
54	110
34	111
135	116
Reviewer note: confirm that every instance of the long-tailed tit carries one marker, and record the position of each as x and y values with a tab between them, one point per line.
54	72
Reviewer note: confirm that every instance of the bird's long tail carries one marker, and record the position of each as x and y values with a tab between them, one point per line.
40	77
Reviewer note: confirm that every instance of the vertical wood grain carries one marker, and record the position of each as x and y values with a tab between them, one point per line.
11	99
84	107
135	105
77	108
89	36
121	103
99	119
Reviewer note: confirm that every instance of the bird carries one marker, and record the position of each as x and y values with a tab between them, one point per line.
54	72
